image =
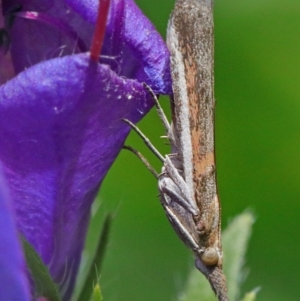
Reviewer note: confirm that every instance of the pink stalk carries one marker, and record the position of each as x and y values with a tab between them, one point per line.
99	32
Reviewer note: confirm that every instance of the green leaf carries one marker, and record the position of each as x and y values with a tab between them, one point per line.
97	296
92	277
251	296
44	285
235	240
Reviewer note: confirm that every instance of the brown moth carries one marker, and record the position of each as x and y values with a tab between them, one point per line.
190	38
187	183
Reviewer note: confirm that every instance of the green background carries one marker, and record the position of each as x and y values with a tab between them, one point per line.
257	88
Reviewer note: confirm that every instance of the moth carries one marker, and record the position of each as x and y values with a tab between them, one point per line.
187	182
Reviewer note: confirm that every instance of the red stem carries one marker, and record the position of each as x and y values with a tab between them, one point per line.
99	29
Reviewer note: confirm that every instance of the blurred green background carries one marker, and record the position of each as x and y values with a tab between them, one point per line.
257	88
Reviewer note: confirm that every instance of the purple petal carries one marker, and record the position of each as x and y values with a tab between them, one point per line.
6	70
138	54
14	285
133	43
61	129
34	41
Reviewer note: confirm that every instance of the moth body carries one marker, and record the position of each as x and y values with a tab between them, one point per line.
195	213
187	183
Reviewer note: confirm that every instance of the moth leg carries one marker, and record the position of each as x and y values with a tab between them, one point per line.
143	159
161	114
145	139
182	231
169	188
180	183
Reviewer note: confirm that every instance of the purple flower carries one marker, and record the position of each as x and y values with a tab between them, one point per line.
14	284
61	122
